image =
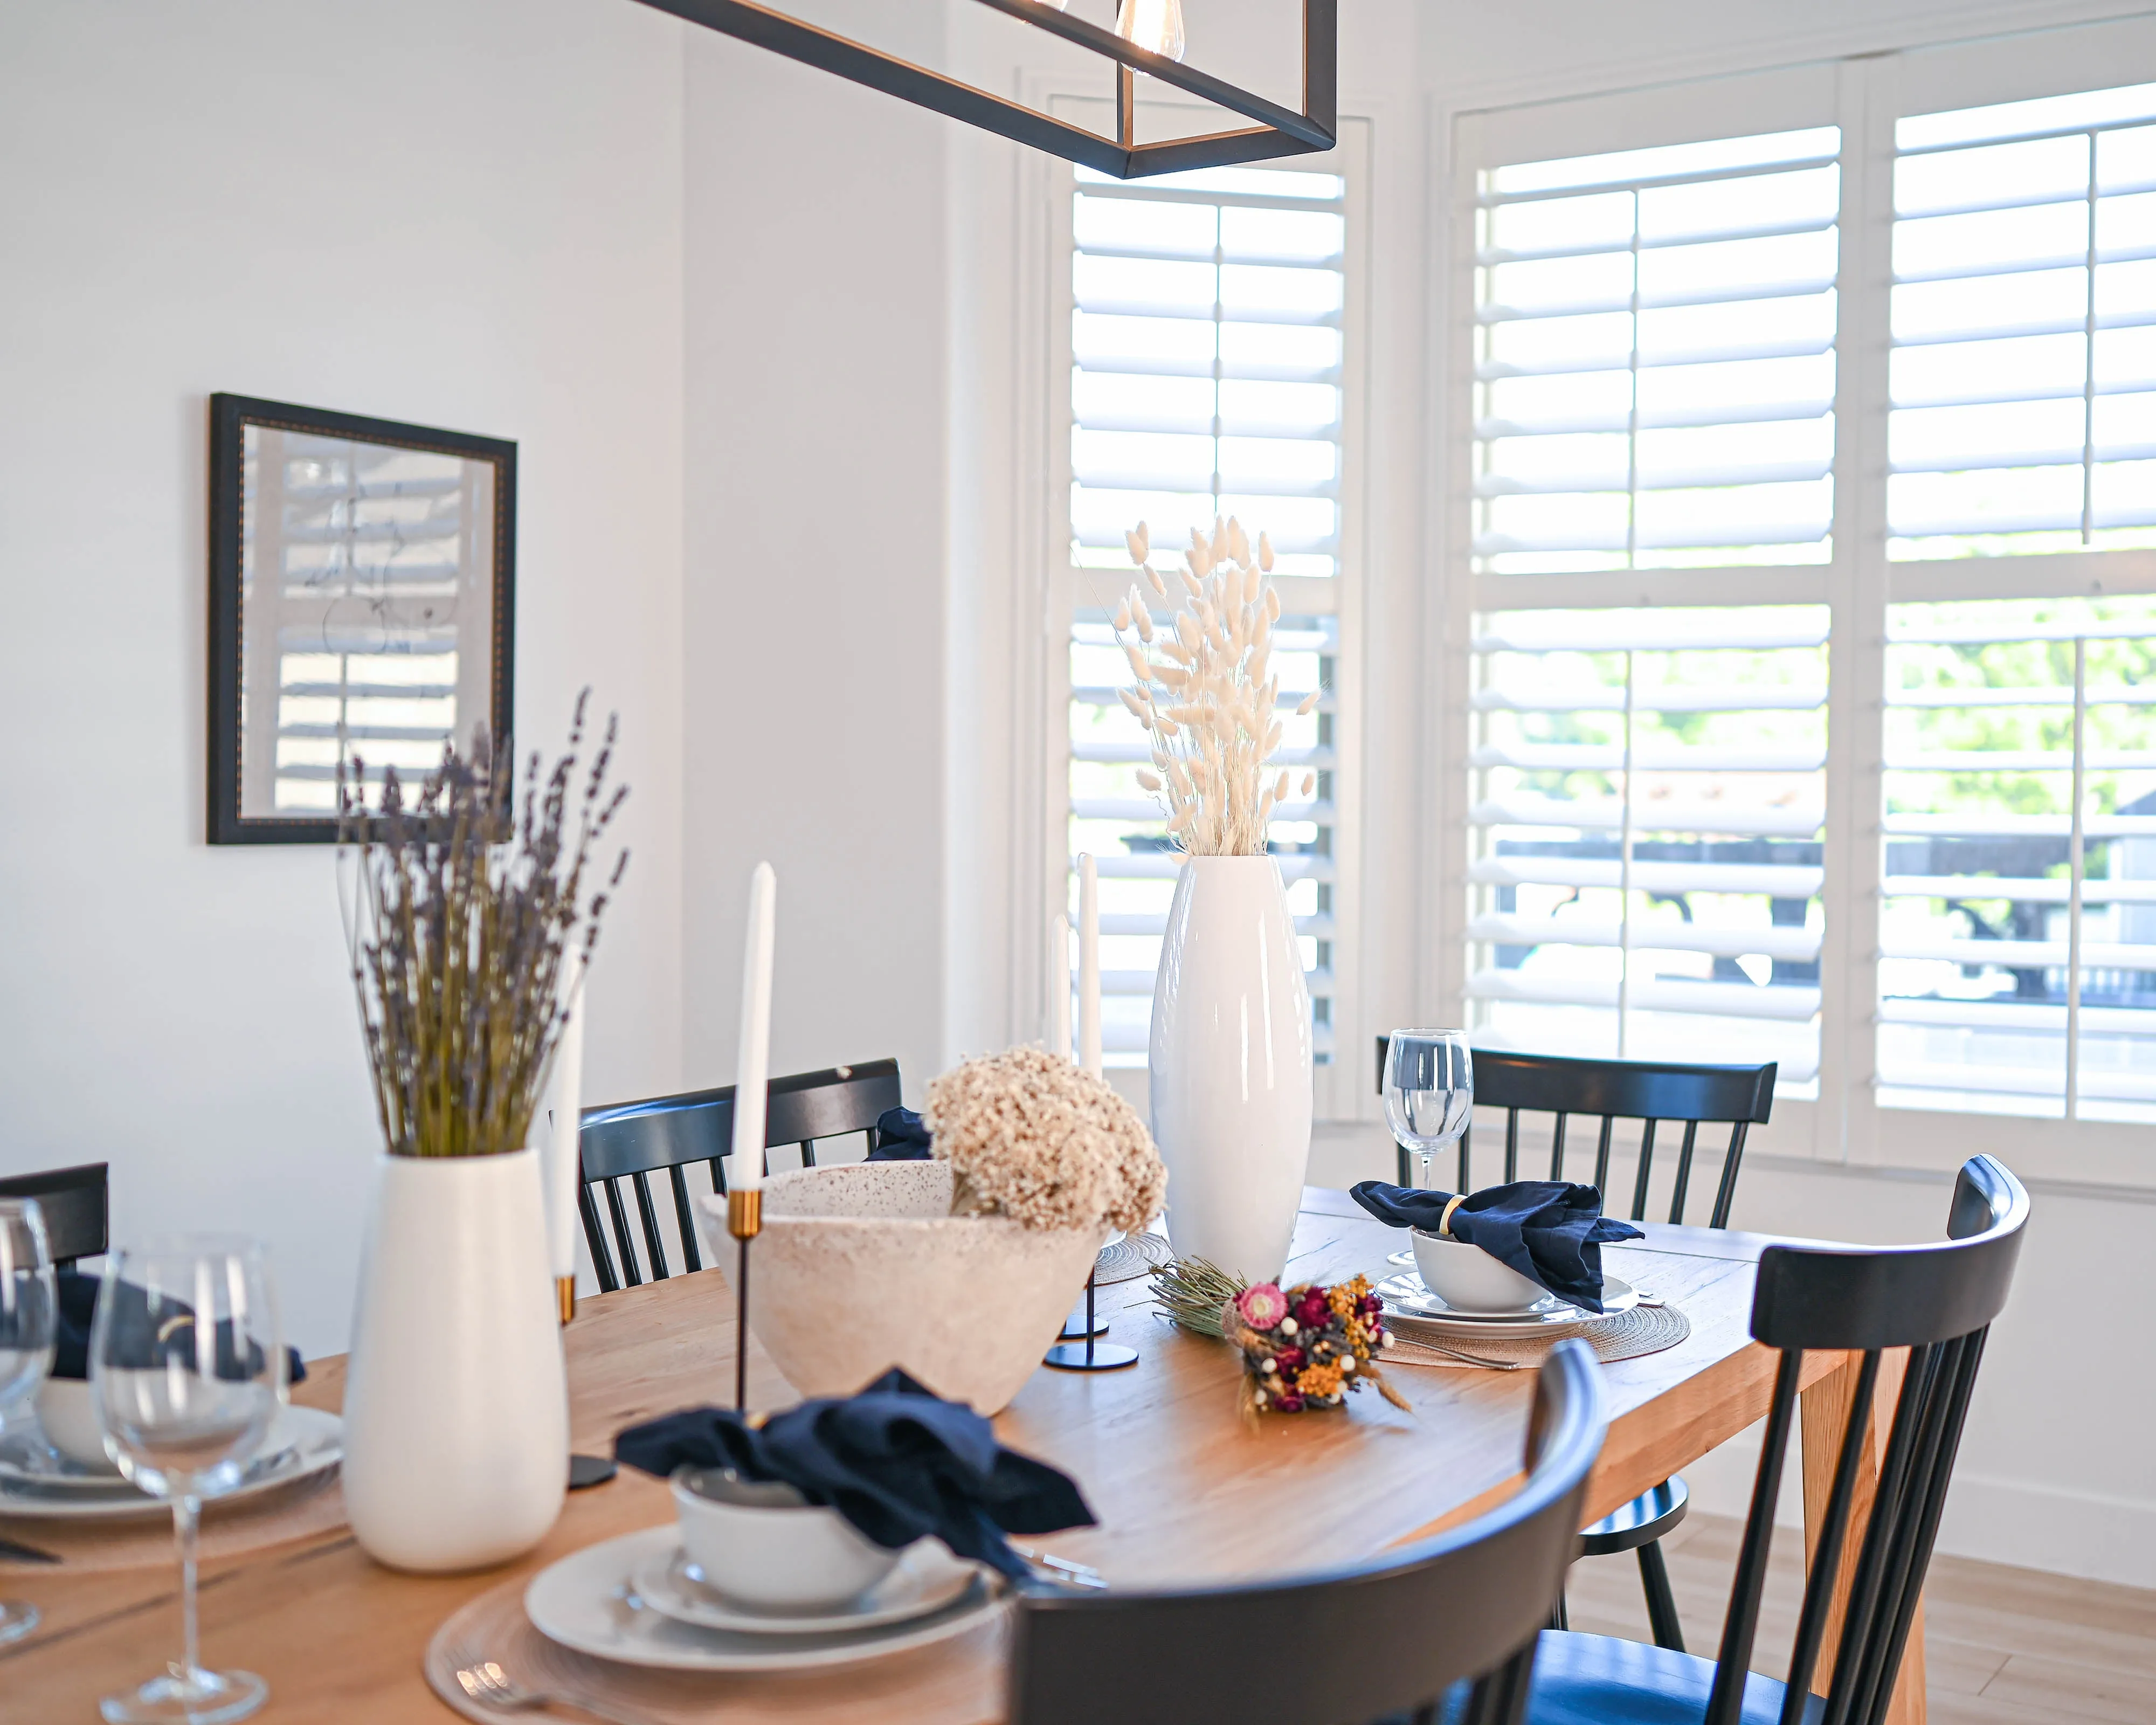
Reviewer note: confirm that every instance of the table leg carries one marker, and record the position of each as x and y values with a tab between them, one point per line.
1826	1409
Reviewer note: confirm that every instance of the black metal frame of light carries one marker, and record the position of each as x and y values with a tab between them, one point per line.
1279	132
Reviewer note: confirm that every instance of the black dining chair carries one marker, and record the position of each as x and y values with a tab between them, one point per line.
631	1141
1937	1301
1386	1636
77	1203
1654	1093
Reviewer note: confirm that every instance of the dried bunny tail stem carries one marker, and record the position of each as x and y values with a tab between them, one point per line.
1122	616
1305	707
1153	780
1143	619
1264	553
1309	783
1280	787
1154	582
1130	702
1137	542
1272	604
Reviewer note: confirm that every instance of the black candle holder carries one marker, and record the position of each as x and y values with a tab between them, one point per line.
1090	1353
744	1221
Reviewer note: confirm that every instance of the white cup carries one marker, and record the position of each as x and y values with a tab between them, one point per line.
1468	1278
69	1421
757	1548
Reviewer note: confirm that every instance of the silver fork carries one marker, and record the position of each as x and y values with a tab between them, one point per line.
1062	1570
488	1685
1471	1359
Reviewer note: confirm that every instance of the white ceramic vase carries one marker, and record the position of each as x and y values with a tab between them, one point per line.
1231	1066
456	1409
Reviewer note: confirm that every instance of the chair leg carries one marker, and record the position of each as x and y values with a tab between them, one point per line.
1558	1619
1662	1603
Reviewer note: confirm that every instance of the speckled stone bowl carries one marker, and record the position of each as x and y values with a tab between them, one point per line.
862	1267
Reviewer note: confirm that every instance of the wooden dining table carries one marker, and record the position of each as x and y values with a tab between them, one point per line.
1183	1489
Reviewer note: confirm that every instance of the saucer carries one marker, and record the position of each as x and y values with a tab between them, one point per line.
1407	1295
35	1486
590	1604
927	1578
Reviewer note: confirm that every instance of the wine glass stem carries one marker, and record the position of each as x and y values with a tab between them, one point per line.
187	1517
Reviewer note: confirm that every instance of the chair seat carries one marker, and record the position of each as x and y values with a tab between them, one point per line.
1649	1517
1598	1680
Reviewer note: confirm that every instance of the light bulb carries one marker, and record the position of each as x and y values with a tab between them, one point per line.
1156	24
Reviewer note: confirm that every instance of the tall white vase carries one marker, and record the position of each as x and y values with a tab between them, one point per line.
456	1409
1231	1066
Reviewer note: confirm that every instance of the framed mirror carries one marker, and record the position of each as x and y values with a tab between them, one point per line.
362	600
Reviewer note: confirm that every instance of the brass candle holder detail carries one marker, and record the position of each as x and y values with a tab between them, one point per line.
744	1221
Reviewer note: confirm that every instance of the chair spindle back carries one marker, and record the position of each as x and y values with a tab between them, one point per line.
630	1142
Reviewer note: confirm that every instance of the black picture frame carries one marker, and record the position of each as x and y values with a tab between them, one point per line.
228	821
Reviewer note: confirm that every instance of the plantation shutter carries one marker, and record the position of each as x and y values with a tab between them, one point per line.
1646	866
2017	966
1654	384
2023	369
1655	363
1208	375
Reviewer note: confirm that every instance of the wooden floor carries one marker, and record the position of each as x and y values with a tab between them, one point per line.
2004	1647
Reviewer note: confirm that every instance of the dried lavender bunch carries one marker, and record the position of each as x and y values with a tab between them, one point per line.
1204	693
466	917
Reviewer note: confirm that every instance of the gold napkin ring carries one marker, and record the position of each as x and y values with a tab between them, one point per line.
1445	1221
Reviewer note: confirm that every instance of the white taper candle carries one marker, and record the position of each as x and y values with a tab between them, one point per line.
752	1068
1089	965
559	1164
1059	986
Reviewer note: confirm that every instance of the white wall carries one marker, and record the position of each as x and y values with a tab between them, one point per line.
457	213
817	553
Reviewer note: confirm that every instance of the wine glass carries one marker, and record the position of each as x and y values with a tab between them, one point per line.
28	1320
187	1373
1430	1092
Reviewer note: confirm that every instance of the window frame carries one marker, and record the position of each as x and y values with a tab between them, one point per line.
1863	97
1067	590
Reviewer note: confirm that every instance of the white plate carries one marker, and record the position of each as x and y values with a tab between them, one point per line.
588	1602
305	1440
1406	1295
927	1578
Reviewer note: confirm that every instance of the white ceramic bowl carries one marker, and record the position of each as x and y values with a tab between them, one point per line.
1468	1278
861	1267
796	1557
69	1421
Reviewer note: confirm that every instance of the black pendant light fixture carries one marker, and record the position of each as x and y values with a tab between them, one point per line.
1148	38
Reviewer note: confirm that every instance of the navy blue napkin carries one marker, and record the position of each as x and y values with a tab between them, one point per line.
1551	1231
77	1306
900	1137
896	1460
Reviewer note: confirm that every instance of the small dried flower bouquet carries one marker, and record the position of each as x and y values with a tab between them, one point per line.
1304	1348
1036	1137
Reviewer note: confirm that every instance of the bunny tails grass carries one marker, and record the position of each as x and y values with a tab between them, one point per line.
1206	693
464	916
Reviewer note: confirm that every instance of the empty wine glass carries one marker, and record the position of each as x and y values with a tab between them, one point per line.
187	1371
1430	1092
28	1317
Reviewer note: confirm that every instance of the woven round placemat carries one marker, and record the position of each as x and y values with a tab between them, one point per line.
1133	1255
305	1509
1622	1335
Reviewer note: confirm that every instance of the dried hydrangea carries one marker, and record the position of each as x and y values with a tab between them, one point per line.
1034	1137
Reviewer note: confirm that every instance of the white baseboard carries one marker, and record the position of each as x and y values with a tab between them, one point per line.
2084	1533
2081	1533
